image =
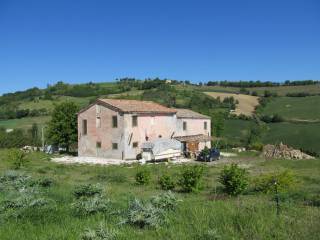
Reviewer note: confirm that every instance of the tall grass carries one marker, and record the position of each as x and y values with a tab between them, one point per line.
203	215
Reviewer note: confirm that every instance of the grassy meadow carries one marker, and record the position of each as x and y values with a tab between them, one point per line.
49	104
298	135
207	214
24	123
306	108
280	90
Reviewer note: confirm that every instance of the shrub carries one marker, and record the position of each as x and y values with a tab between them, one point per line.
143	177
151	213
100	233
87	190
165	201
45	182
234	179
18	158
258	146
285	180
166	182
144	214
208	235
91	205
190	178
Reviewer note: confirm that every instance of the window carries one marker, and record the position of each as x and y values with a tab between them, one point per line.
114	146
184	126
135	144
205	125
114	121
98	109
84	127
134	121
98	145
98	122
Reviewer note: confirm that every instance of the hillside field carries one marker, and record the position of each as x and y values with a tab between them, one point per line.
246	104
306	108
49	104
24	123
280	90
305	136
207	214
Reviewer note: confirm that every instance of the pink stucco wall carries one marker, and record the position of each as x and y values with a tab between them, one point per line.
105	134
194	127
125	134
151	126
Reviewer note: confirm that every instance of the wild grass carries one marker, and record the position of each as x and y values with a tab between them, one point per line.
207	214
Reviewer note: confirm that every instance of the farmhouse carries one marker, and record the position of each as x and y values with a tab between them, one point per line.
116	128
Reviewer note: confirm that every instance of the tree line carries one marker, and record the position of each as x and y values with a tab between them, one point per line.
250	84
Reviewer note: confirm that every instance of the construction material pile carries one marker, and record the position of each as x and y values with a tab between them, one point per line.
284	151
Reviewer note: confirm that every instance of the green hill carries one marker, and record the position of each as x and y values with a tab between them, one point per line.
307	108
22	109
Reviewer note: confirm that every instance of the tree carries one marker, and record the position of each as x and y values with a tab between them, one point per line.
218	125
62	129
34	134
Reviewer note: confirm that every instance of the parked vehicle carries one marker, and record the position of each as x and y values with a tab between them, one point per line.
209	155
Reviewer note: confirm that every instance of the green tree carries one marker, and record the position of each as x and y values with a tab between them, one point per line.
62	129
218	125
34	134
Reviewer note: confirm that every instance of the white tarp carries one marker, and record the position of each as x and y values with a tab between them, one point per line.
161	145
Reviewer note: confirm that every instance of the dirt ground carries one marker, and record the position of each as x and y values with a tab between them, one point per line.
246	104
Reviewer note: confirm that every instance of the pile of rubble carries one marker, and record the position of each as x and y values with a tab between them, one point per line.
284	151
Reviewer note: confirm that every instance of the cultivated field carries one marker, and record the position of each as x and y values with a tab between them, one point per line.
206	214
246	104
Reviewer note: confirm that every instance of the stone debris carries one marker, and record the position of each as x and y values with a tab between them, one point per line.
284	151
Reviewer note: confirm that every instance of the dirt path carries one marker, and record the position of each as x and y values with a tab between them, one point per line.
246	104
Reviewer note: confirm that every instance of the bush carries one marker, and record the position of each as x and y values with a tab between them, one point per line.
144	214
45	182
91	205
285	180
166	182
87	190
100	233
143	177
22	196
190	178
208	235
18	158
151	213
234	179
165	201
258	146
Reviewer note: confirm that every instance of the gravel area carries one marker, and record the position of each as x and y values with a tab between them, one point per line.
105	161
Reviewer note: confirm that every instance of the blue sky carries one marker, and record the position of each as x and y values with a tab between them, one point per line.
43	42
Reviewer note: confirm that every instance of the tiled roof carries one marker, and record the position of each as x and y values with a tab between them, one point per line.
135	106
193	138
186	113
